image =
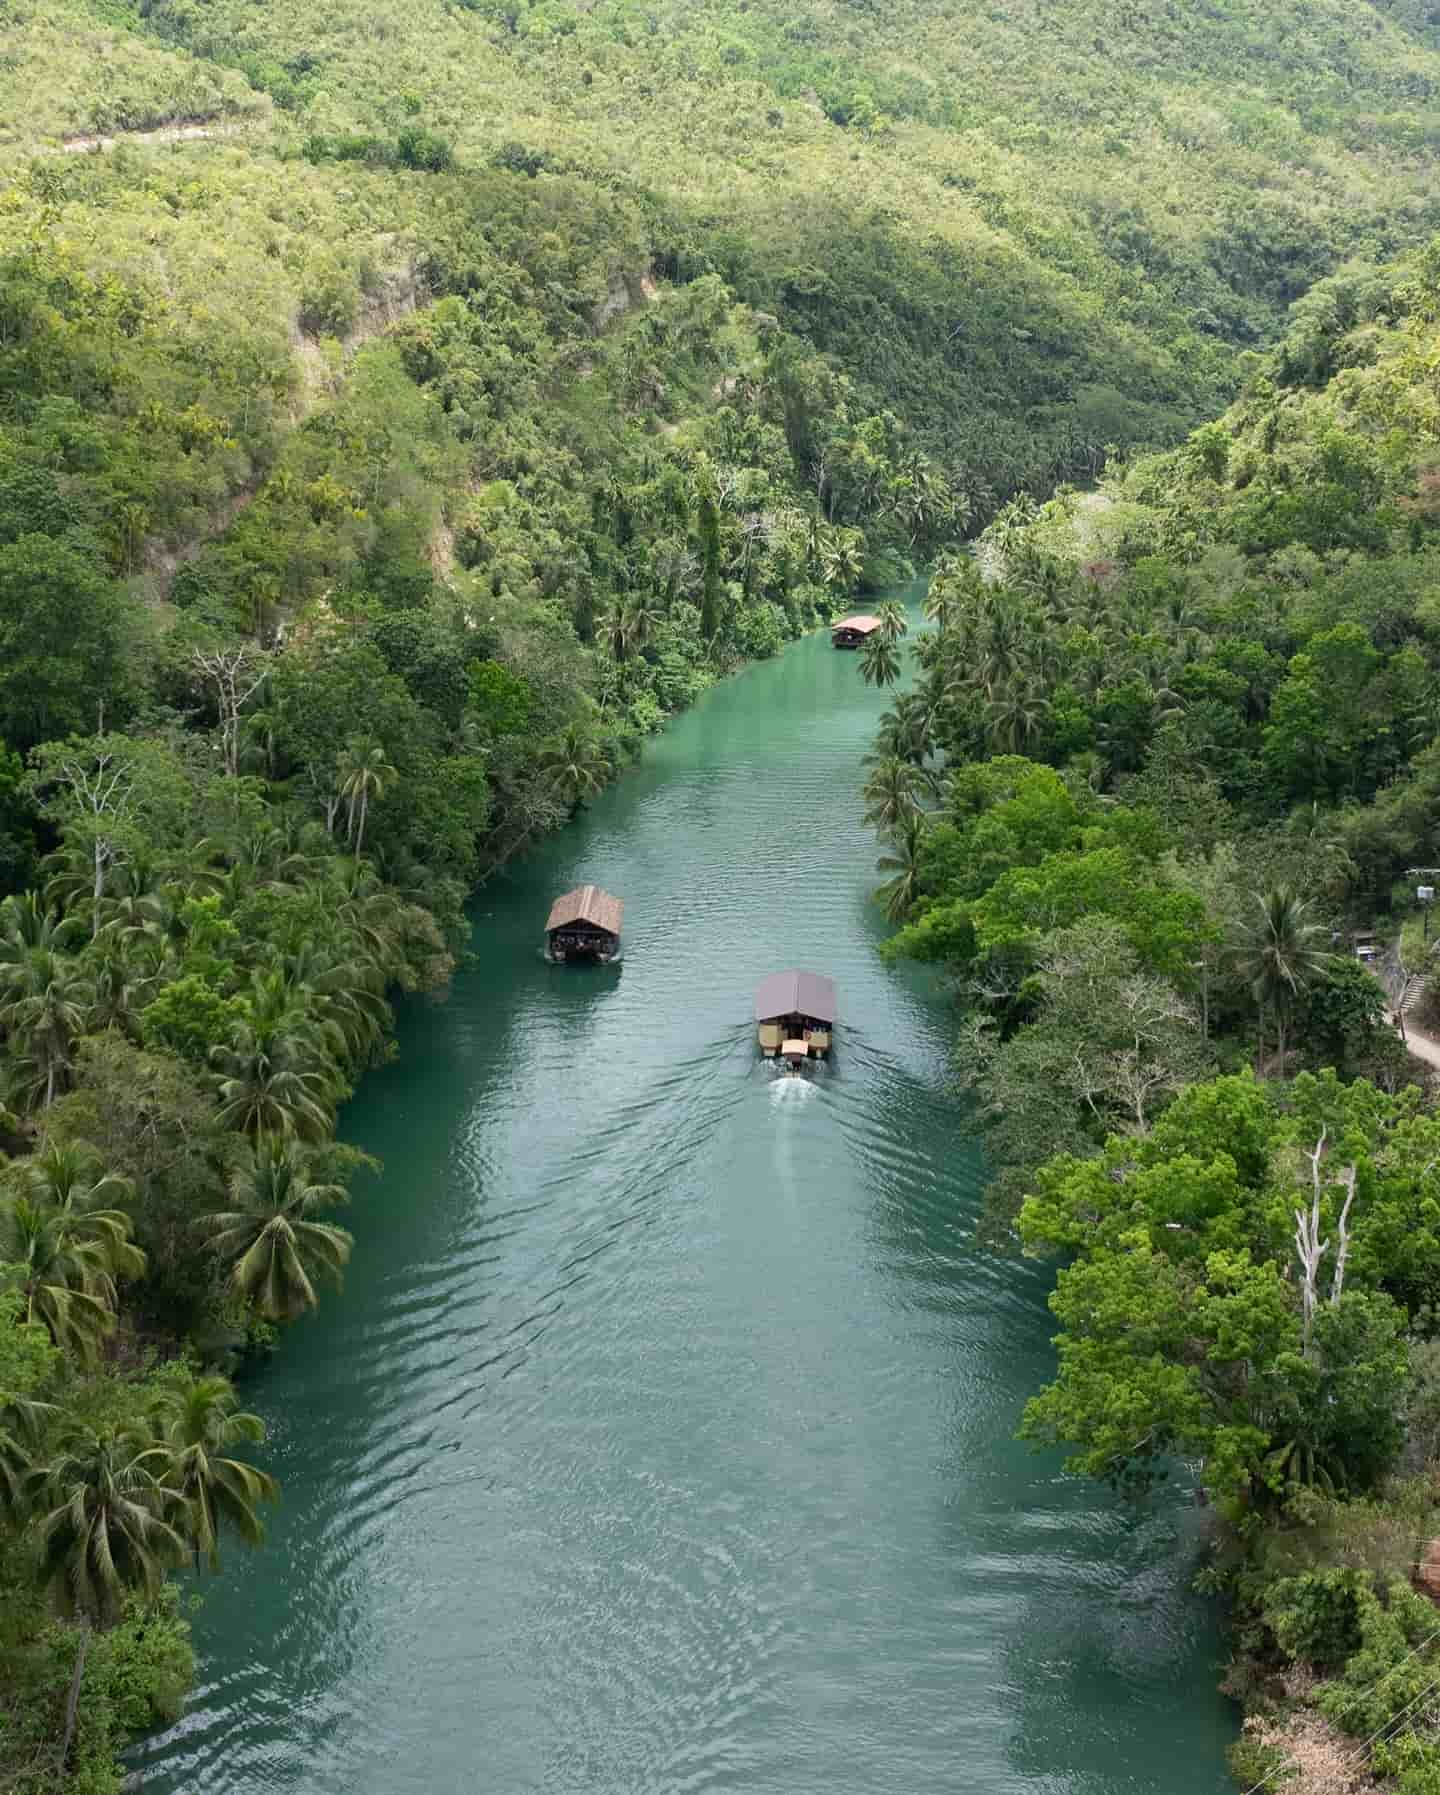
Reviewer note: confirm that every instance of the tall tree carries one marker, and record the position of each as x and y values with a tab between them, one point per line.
269	1236
1281	952
105	1531
707	523
879	660
199	1422
364	773
902	864
892	793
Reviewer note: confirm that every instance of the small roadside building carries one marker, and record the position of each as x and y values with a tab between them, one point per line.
584	925
851	632
795	1013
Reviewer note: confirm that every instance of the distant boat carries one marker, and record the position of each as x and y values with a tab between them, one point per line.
795	1013
584	924
852	632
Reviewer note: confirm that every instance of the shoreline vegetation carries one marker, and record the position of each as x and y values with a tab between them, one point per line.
401	416
1161	768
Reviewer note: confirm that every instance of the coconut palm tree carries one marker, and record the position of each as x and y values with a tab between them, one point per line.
70	1176
275	1247
275	1074
612	627
21	1419
64	1278
643	617
893	622
1280	954
900	890
130	913
842	559
197	1421
574	766
892	793
104	1532
946	596
1015	717
59	1224
346	994
907	729
105	1526
364	773
45	1000
120	988
879	660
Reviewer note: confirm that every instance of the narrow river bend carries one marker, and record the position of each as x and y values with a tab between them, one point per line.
660	1440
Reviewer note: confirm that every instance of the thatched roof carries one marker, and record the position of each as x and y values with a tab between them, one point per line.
795	994
860	625
587	903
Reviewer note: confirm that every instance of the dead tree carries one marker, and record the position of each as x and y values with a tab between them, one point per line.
1310	1249
102	788
235	675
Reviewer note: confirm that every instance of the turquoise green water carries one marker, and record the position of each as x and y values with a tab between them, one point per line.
661	1438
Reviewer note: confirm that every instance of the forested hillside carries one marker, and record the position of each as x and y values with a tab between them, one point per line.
1172	749
404	408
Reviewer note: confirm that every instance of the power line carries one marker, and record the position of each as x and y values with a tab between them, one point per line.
1393	1721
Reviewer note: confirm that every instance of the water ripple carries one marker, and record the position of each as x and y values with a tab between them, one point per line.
662	1438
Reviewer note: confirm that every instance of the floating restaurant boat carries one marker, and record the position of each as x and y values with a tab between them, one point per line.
584	925
851	632
795	1012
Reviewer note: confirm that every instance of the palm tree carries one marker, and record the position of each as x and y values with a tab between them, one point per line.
642	618
261	728
131	912
70	1176
1280	955
943	601
364	773
45	1000
275	1246
346	992
21	1419
907	729
1014	717
269	1079
64	1278
107	1530
58	1224
119	989
358	902
842	558
892	793
197	1421
903	863
574	766
612	626
879	660
893	622
104	1532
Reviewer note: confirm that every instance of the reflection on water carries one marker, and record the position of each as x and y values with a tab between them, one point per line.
661	1439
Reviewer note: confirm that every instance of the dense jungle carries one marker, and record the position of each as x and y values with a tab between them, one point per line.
404	411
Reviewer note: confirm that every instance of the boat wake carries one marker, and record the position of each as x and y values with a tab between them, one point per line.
787	1089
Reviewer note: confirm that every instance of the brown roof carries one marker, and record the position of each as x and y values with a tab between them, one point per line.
795	994
587	903
862	625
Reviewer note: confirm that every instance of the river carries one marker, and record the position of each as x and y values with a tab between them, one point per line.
661	1438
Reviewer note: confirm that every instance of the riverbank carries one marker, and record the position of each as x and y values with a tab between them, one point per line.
695	1370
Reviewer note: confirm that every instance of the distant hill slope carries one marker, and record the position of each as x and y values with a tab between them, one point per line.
1033	228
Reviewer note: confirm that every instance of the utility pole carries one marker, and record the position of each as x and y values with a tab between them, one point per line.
1426	877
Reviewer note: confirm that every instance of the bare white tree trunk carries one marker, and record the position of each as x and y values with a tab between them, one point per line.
1337	1283
1309	1248
236	674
